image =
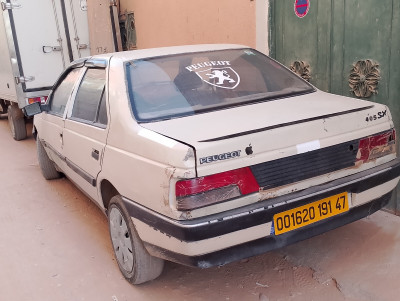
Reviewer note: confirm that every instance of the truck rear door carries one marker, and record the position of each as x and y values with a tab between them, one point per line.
76	20
36	30
47	35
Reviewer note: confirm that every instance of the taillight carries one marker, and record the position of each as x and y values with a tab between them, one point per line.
377	146
41	99
203	191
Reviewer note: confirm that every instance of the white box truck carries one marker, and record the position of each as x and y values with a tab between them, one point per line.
38	40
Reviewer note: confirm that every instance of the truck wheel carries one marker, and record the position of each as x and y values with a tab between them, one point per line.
135	263
17	122
47	167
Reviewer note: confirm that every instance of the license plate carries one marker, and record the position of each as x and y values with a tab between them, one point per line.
302	216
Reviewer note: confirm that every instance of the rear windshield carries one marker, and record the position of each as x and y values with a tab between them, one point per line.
186	84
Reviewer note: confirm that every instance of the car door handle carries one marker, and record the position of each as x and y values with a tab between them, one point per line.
95	154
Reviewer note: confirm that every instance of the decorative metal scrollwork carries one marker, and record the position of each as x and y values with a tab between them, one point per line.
364	78
302	69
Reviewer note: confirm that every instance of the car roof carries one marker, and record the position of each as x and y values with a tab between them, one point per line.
155	52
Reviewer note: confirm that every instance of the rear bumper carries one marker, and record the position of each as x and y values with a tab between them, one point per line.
236	234
268	243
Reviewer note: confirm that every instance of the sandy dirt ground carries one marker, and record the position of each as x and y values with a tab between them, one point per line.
55	246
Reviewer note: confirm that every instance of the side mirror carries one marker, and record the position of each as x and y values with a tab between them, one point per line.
34	108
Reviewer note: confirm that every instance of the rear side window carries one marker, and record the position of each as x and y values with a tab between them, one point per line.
62	92
89	105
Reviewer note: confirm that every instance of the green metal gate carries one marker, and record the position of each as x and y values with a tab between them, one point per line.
346	47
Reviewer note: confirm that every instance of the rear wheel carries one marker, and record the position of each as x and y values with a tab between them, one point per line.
17	122
47	167
135	263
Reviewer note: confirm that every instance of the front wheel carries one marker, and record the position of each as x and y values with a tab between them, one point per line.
135	263
47	166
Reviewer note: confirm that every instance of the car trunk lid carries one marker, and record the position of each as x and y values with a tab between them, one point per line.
253	134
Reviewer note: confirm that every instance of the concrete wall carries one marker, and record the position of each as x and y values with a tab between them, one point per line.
179	22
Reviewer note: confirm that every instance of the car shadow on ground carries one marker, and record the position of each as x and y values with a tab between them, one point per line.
319	268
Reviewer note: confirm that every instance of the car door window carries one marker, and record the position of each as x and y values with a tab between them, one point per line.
90	101
62	92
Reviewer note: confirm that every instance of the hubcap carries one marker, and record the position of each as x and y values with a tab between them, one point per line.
121	240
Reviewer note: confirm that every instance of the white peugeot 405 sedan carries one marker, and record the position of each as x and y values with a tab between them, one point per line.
207	154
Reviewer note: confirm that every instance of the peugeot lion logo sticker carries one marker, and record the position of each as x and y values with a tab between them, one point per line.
225	77
218	74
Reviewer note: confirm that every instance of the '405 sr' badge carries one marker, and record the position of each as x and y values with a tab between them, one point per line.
301	8
225	77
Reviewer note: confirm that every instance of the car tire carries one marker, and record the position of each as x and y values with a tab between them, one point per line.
47	166
135	263
17	122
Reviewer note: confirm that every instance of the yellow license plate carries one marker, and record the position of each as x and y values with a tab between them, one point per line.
302	216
